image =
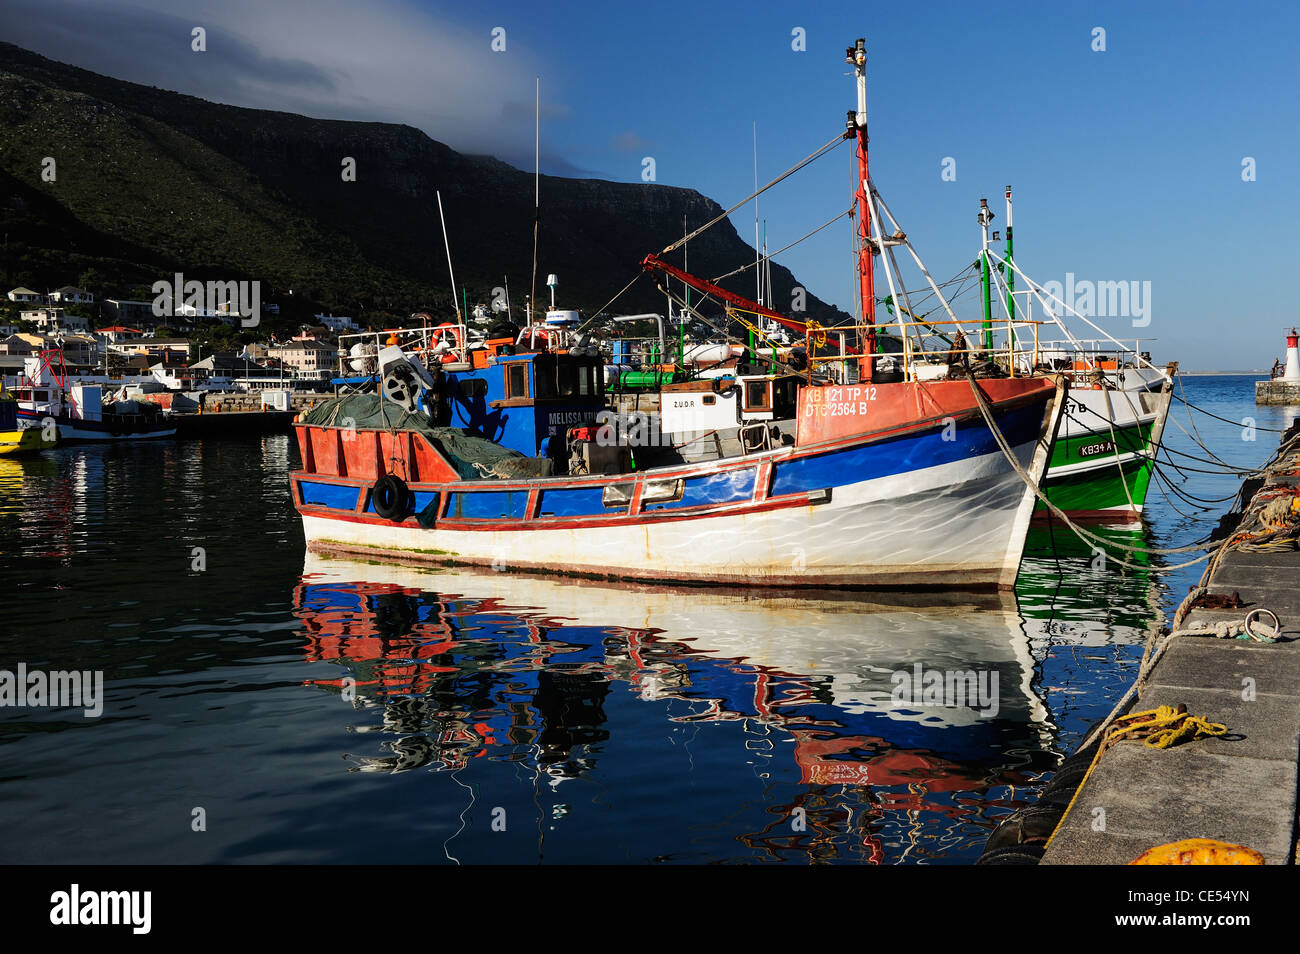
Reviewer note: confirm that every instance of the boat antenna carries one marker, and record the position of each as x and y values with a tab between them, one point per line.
758	279
681	317
537	191
452	275
984	218
1011	277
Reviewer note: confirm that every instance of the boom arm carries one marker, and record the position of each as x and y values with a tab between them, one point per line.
655	263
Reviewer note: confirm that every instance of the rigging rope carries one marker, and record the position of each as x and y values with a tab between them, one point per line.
746	267
601	310
841	138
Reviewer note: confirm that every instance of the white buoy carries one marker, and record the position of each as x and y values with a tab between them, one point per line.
1292	372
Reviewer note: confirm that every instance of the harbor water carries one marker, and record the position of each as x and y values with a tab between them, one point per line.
260	705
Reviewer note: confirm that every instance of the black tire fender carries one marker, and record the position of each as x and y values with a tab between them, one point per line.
391	498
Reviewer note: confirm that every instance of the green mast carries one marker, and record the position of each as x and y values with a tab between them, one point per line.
985	217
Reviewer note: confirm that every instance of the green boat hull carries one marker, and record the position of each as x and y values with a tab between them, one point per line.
1108	485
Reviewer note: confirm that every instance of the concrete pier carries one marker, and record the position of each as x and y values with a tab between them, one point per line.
1240	787
1277	391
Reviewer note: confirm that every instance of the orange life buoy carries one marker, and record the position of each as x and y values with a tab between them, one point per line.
453	337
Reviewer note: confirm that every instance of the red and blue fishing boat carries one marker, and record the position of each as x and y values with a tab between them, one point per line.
492	454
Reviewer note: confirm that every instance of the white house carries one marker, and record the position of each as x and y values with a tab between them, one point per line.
70	295
337	323
55	319
25	295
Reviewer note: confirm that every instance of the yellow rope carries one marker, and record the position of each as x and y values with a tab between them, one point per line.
1169	728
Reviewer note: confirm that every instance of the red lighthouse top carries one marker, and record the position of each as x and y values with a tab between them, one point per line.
1291	339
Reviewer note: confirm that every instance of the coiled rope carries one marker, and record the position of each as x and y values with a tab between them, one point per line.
1160	728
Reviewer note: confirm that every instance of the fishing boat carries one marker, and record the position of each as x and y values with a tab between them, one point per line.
1104	457
1105	453
47	395
890	482
20	440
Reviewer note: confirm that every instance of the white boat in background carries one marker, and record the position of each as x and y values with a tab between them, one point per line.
47	394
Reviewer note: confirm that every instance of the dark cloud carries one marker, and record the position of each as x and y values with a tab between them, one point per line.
154	47
379	61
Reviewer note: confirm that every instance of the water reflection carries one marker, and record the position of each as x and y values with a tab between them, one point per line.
1087	616
459	666
608	724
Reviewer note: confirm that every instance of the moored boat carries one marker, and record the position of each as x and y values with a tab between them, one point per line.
48	397
894	481
1105	454
21	440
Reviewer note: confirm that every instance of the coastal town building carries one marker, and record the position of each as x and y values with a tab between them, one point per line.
71	295
337	323
49	320
133	313
308	357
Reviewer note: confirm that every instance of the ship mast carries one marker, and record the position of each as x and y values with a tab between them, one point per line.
857	124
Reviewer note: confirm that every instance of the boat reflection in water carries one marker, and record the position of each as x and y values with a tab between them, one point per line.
767	722
1087	617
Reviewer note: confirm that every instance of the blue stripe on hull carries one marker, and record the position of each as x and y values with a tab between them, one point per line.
881	458
336	496
905	453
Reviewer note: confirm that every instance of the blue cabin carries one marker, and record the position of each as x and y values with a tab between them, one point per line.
524	401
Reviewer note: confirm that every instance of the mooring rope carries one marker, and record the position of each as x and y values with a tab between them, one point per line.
1085	535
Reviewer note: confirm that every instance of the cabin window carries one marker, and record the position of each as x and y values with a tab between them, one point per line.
786	398
756	395
710	399
516	380
471	388
545	382
567	377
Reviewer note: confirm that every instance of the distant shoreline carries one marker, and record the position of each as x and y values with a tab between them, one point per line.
1239	374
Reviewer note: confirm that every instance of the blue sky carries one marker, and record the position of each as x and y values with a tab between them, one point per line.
1126	164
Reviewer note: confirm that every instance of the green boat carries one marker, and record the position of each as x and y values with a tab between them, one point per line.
1101	464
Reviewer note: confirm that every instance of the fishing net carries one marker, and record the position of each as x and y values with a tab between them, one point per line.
475	458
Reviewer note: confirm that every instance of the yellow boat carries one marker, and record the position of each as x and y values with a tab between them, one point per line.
16	440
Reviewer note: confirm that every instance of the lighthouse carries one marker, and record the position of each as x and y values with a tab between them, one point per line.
1292	372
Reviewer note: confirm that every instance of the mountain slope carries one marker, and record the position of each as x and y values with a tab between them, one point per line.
150	182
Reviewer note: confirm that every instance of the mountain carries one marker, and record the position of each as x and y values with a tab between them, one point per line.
150	182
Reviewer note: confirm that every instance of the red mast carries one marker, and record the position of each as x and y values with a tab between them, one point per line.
857	123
